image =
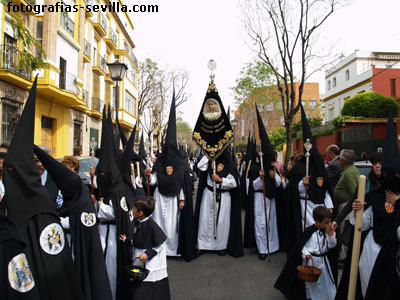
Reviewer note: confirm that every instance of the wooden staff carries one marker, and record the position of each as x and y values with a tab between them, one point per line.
215	201
307	146
265	202
356	241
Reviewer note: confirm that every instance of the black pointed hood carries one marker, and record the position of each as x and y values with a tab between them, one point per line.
170	184
108	175
319	182
125	168
170	138
213	131
390	159
266	147
76	197
25	196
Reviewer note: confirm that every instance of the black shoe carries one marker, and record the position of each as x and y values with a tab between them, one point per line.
262	256
221	252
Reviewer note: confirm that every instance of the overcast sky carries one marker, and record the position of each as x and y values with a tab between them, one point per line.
187	34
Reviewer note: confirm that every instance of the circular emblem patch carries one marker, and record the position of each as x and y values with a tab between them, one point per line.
19	274
52	239
123	204
88	219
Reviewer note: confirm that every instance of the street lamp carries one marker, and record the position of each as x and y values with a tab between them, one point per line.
117	73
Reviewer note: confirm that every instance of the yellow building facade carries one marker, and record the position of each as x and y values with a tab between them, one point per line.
76	84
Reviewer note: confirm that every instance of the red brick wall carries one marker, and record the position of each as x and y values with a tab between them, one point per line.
381	81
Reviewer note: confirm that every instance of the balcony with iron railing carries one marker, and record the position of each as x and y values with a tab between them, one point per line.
13	61
87	52
100	65
124	48
112	39
67	23
101	25
85	97
68	82
97	106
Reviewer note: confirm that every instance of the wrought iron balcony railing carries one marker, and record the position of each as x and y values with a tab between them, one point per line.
103	22
13	60
67	23
88	49
85	96
97	104
68	82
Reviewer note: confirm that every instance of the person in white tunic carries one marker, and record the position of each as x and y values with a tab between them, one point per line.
312	203
206	239
173	210
259	217
148	241
166	214
316	248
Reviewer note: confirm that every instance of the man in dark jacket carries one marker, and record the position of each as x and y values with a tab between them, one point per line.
334	168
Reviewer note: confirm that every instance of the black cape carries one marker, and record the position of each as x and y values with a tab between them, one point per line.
384	283
148	235
85	239
235	242
29	206
288	282
12	245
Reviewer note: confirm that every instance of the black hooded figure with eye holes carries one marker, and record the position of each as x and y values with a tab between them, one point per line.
28	205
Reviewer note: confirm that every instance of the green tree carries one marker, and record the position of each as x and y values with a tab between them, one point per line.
313	122
369	105
254	74
28	60
254	87
277	137
184	133
284	33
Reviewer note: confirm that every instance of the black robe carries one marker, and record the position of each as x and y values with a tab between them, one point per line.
384	283
235	241
288	282
187	238
85	239
11	246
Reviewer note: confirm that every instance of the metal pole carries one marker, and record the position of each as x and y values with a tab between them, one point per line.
215	200
307	146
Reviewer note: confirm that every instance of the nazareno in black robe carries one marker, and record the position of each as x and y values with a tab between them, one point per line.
85	239
29	206
235	241
12	285
111	188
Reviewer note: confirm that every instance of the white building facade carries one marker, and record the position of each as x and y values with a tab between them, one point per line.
353	75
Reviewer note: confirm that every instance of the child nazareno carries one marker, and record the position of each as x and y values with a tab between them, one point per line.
315	243
148	242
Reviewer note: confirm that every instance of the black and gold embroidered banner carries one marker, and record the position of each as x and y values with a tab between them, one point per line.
213	131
